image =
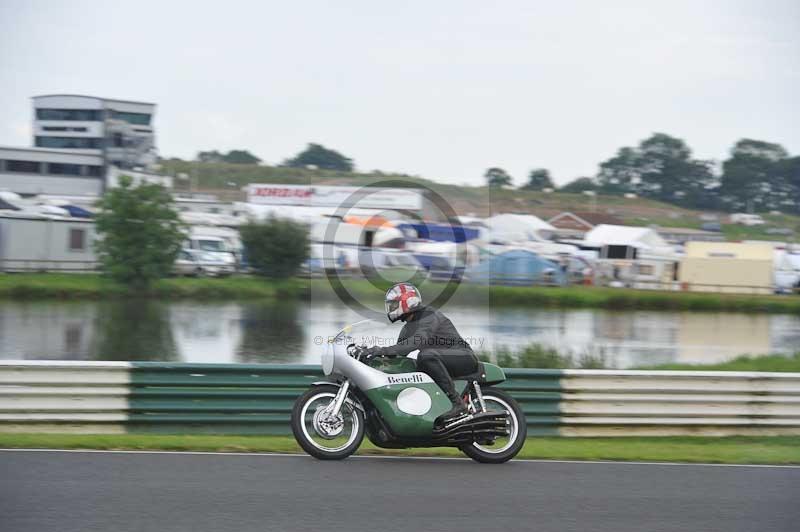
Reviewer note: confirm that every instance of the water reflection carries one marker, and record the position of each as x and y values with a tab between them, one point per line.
44	331
288	331
271	332
133	330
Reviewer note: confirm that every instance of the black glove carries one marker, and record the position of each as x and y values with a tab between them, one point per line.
372	352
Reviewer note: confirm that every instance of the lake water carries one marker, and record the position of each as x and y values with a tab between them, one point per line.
292	332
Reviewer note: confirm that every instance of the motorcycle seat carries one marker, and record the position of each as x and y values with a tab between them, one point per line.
477	375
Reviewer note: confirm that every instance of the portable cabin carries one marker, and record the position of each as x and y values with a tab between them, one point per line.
729	267
31	242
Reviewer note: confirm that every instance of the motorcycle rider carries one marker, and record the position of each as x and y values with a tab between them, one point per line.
442	351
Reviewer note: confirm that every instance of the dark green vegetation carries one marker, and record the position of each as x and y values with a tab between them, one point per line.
275	247
140	233
782	363
544	357
497	177
538	179
731	450
320	157
94	286
758	175
232	157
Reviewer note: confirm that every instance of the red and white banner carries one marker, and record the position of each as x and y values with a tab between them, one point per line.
332	196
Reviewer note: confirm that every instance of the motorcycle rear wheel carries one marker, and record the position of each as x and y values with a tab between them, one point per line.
507	448
319	438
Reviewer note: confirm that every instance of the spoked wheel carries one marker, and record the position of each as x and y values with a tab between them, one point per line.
323	436
504	448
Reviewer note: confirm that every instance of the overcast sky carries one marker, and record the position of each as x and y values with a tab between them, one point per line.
442	89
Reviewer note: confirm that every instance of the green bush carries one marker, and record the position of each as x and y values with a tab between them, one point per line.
543	357
276	247
140	233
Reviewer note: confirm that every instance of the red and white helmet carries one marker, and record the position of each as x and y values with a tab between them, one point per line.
401	299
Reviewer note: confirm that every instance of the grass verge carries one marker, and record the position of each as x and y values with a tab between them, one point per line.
546	357
779	363
27	286
94	286
697	449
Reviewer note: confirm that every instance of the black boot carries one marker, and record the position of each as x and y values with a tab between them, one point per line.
459	409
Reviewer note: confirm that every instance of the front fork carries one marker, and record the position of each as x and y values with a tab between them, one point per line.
335	406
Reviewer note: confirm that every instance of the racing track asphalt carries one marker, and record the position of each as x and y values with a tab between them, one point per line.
120	492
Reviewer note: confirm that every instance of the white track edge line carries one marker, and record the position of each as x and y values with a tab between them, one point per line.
389	457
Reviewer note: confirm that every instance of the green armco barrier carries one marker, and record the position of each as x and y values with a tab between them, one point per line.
216	398
179	398
257	398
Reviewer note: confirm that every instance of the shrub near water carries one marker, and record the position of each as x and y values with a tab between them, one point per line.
276	247
544	357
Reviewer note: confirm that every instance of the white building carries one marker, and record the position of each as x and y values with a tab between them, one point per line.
119	130
62	172
82	144
50	171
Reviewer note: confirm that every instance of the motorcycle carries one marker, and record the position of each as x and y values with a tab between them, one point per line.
397	407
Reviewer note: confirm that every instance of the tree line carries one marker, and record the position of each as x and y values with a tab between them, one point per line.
313	156
757	175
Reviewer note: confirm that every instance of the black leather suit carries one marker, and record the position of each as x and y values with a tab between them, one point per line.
442	351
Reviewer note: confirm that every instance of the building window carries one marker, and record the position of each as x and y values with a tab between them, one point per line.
26	167
64	128
77	239
82	143
94	171
140	119
88	115
64	169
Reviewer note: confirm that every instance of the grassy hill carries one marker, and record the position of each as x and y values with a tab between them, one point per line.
226	180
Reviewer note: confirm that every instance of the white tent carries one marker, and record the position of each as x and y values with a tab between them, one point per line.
509	228
622	235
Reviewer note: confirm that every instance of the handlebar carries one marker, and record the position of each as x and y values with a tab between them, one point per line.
358	351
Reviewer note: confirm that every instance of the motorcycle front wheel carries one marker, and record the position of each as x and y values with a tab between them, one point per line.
501	449
321	436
